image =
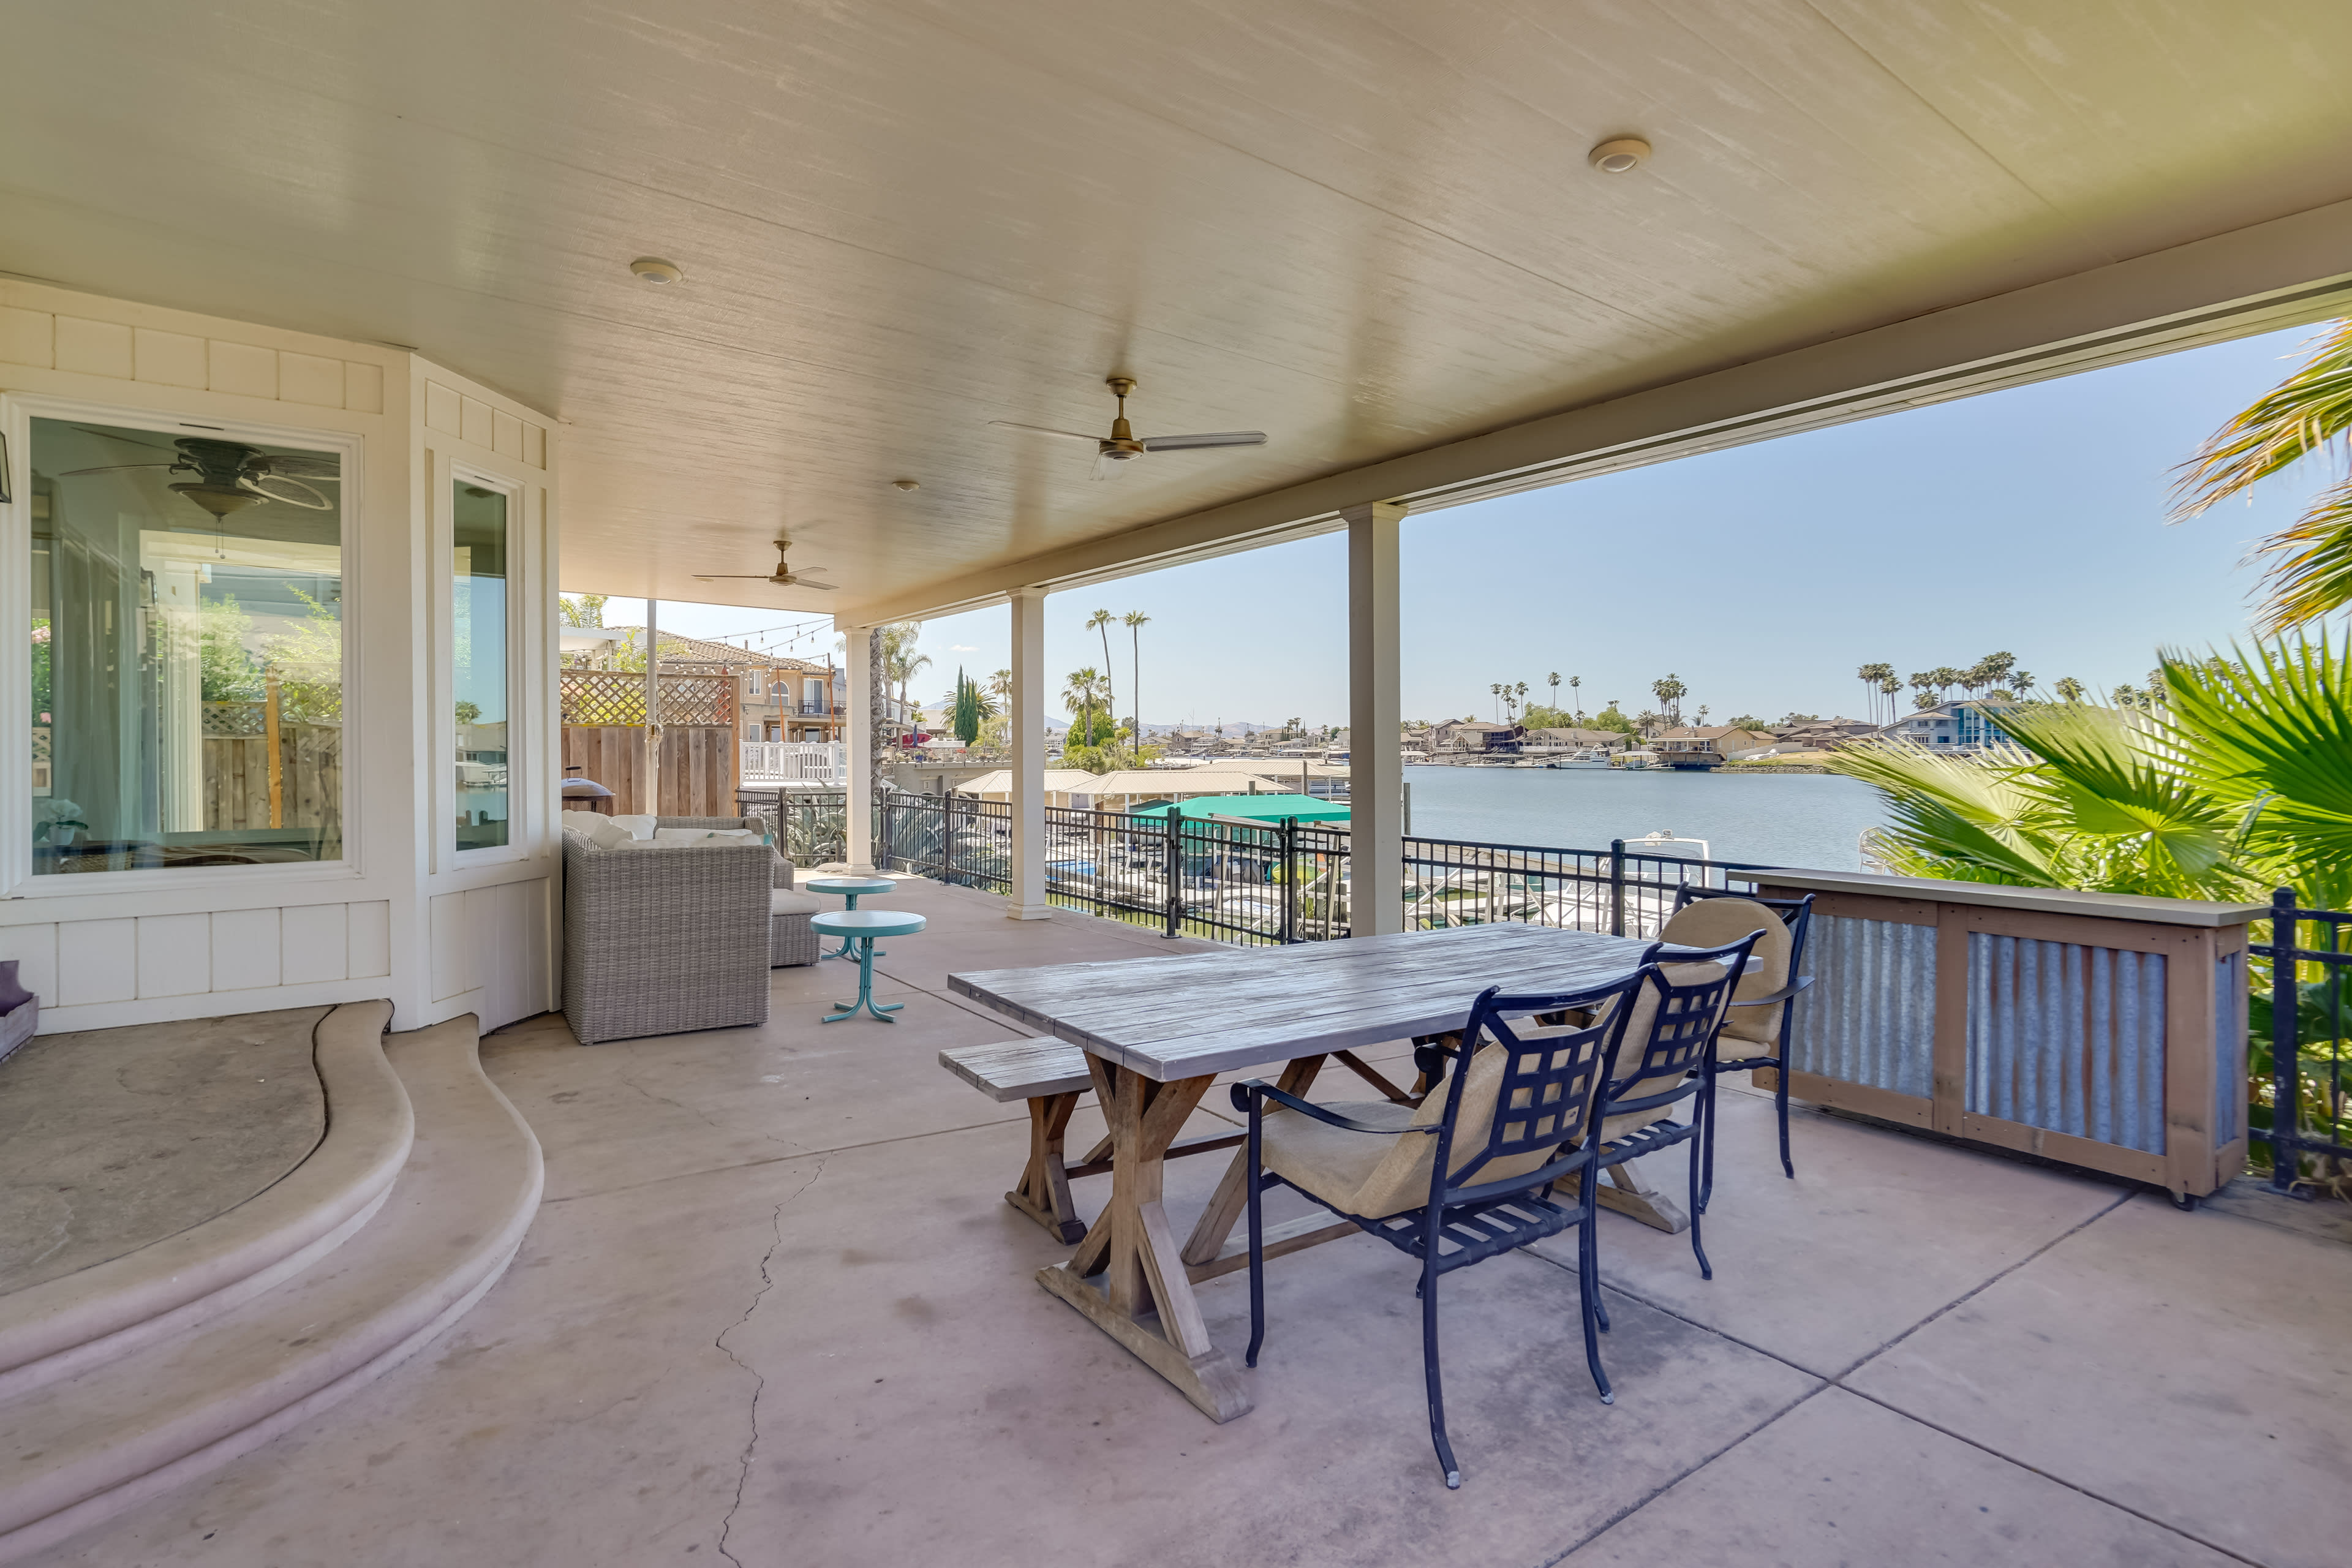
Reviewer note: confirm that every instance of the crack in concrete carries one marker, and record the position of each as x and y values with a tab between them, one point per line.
759	1381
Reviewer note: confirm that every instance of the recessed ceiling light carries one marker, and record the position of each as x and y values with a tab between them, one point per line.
907	484
653	269
1619	156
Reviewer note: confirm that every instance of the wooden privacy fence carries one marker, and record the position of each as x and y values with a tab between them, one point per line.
604	737
697	766
237	786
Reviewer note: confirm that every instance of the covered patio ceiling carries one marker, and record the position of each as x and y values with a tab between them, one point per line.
1367	230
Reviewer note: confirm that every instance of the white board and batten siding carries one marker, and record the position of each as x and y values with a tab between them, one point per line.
493	947
75	964
436	937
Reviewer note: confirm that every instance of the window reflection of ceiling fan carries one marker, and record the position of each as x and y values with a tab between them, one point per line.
783	576
229	476
1122	447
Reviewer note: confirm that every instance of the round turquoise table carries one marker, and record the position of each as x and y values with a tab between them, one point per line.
860	927
848	887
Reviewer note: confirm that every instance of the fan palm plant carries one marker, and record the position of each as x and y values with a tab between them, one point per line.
2240	780
2309	570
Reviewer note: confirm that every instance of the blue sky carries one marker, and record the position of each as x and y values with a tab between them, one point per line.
2030	521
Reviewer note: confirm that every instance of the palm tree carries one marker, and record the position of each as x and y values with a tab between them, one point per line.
1554	681
2310	570
1574	681
1135	621
1083	690
1521	691
1496	688
1670	693
901	662
1992	671
1872	678
1890	689
999	686
1102	621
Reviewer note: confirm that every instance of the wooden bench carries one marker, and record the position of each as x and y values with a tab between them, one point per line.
1050	1076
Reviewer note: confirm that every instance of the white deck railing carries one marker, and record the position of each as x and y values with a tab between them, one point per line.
796	763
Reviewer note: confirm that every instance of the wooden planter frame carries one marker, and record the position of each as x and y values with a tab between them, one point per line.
2204	1128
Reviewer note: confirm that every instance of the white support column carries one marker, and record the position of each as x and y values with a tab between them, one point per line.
1375	772
858	819
651	773
1028	726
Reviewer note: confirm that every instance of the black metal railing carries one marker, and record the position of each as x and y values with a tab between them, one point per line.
2297	1108
812	826
1250	883
1452	882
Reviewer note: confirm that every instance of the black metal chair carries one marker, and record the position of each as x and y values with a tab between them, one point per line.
1469	1172
1756	1034
1669	1045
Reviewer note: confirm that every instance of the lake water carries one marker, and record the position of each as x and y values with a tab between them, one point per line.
1769	820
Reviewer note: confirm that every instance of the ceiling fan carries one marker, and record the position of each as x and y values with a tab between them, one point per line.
1122	447
783	576
229	476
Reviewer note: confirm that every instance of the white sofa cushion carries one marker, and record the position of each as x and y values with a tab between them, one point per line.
784	902
606	832
638	827
702	834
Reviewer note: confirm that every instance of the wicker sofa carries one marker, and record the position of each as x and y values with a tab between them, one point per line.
661	939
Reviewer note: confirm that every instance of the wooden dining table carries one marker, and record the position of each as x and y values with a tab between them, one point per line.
1159	1031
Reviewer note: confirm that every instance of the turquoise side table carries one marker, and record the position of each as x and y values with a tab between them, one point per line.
860	927
848	887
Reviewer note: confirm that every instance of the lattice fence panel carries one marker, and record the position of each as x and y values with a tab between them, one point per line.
617	696
223	719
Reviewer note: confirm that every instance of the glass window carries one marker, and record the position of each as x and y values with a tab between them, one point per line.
187	651
479	663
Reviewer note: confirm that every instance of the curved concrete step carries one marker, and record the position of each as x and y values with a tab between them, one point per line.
77	1451
64	1326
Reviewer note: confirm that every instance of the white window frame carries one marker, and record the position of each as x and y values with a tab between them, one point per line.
17	412
456	472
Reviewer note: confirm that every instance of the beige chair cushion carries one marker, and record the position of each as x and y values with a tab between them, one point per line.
1376	1175
1331	1162
784	902
1637	1038
1714	922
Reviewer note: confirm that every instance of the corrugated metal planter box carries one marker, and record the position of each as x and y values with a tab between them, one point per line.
2102	1031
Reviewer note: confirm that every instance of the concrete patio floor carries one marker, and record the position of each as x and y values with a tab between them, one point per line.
774	1311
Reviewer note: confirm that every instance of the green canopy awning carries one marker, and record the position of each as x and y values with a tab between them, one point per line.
1258	807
